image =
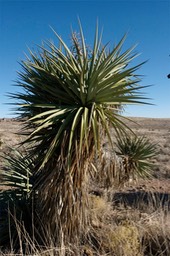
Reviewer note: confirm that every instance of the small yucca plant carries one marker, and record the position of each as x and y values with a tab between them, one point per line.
70	99
136	154
17	171
15	198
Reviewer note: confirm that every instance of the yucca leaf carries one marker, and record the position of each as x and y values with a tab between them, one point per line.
76	121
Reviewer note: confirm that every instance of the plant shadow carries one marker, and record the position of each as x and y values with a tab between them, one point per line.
142	200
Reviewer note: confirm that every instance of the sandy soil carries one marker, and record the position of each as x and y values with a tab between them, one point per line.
157	130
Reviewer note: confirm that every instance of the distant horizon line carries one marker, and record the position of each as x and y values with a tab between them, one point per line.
146	117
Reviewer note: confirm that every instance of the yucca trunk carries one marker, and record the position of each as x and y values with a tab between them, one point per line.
64	201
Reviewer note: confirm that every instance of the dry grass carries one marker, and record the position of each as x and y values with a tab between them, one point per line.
132	220
116	230
125	230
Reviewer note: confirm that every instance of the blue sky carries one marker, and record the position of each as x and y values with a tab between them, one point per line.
27	23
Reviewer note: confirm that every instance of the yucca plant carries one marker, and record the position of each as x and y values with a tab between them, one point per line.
136	153
70	100
17	170
15	198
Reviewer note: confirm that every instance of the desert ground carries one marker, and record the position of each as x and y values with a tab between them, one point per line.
121	209
156	129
